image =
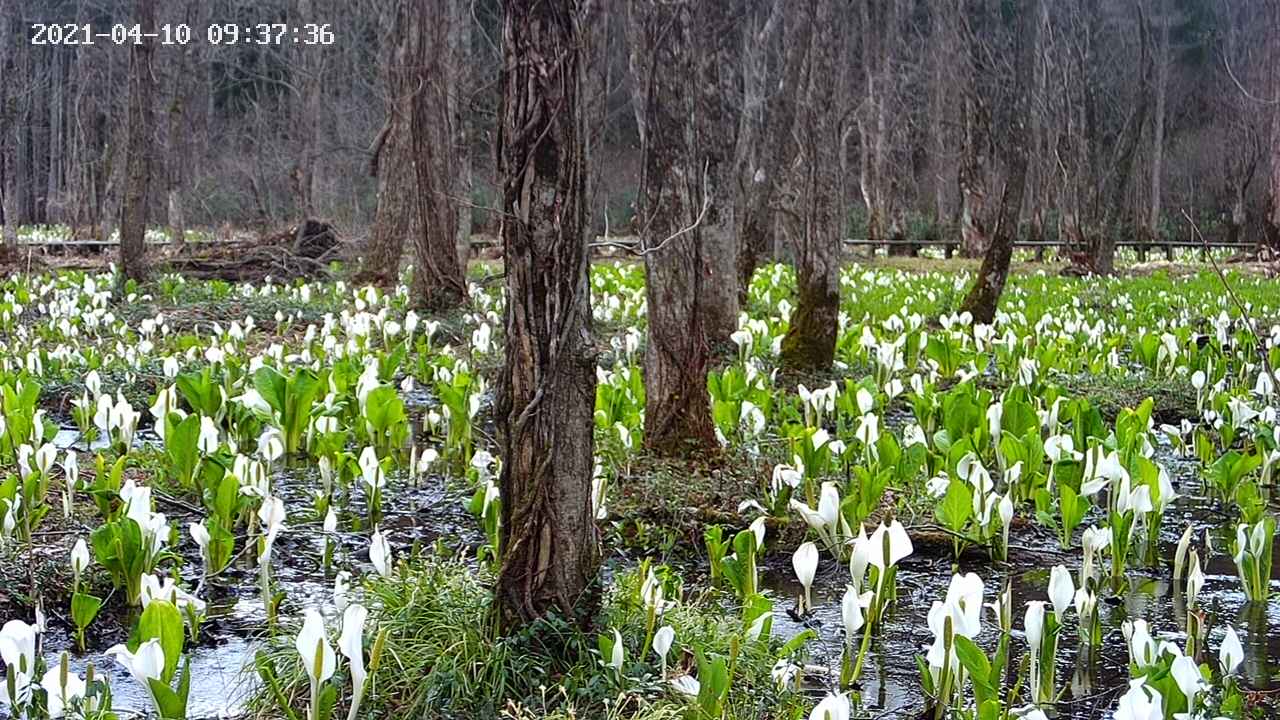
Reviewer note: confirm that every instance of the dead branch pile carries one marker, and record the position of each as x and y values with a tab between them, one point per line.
302	251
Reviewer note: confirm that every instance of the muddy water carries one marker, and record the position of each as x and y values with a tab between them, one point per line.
1092	677
235	622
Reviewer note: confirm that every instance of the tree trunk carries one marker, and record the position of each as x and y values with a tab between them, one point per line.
715	130
133	205
811	339
438	281
176	144
984	296
8	130
768	119
462	66
1157	133
670	209
546	395
1271	226
391	158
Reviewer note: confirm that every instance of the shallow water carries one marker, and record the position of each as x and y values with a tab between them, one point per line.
235	622
1093	677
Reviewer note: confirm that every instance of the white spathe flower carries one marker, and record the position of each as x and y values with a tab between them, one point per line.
1033	624
145	665
62	691
380	553
851	606
889	545
1061	590
272	515
805	563
617	655
1186	673
832	707
662	640
79	557
1143	649
1140	703
351	644
313	647
1230	652
686	685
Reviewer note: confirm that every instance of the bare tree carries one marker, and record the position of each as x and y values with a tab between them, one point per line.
8	125
133	207
766	145
813	213
546	394
1010	137
438	280
1272	223
391	159
672	207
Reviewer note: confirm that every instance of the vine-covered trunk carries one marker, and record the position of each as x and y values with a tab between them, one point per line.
546	394
133	205
811	340
671	206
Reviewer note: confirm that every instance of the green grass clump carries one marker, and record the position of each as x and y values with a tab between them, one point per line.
443	657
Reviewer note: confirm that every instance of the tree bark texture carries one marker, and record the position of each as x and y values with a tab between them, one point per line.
133	206
674	203
715	127
391	159
811	338
546	395
438	280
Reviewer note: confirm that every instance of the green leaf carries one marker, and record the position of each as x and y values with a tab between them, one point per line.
956	507
162	621
84	608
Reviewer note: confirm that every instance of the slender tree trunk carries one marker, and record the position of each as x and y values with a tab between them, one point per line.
438	281
462	66
1271	226
1013	148
765	133
133	206
391	158
677	409
8	128
546	396
176	143
811	339
1157	132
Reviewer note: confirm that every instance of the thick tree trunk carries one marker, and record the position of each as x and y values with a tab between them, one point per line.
670	209
984	296
133	206
811	339
715	131
438	280
546	396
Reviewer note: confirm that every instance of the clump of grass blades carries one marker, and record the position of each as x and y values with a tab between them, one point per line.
444	658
